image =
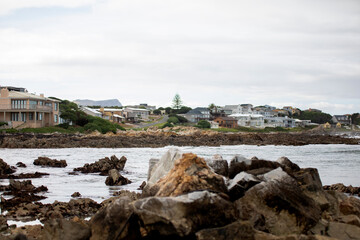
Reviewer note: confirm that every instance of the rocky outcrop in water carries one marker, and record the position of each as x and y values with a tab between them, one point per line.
5	169
264	200
48	162
104	165
116	179
342	188
162	138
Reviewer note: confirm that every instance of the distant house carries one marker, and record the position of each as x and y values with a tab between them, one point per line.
214	124
342	119
327	125
21	109
197	114
226	122
246	108
112	114
291	110
249	120
284	122
136	114
231	109
302	123
91	111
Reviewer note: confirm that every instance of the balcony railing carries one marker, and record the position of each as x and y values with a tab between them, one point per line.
25	107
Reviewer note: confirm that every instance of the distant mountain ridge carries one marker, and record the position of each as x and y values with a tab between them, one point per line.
102	103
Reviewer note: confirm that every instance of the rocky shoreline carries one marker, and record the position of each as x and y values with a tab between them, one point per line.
131	139
188	197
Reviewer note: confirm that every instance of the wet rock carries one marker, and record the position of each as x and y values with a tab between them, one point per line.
115	221
132	195
342	188
24	175
190	173
48	162
63	229
284	161
240	164
218	165
152	163
76	195
240	184
21	164
279	206
183	215
104	165
3	223
5	169
116	179
141	187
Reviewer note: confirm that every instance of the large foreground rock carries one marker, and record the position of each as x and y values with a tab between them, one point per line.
114	221
190	173
104	165
183	215
63	229
218	165
279	205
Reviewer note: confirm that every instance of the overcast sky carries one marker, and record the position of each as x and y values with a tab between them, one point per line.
300	53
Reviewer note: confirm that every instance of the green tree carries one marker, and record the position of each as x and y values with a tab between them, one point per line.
355	119
315	117
203	124
212	107
177	102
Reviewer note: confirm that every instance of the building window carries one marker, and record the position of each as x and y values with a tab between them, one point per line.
41	103
31	116
49	104
55	118
56	106
18	104
14	116
39	116
23	117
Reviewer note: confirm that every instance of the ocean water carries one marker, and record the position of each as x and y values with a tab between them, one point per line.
336	163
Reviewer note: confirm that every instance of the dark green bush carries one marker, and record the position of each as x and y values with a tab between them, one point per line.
173	120
167	125
203	124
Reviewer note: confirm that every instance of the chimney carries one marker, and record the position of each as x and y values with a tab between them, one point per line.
41	95
4	93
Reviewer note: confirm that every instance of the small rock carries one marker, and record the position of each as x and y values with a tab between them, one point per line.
21	164
141	187
76	195
115	179
47	162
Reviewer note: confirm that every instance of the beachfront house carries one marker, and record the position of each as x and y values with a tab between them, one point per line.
135	114
197	114
249	120
226	122
21	109
342	119
284	122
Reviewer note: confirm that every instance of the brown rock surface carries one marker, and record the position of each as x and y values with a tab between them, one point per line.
104	165
116	179
48	162
190	173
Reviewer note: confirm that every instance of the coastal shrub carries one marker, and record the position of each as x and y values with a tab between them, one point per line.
101	125
173	120
167	125
3	124
203	124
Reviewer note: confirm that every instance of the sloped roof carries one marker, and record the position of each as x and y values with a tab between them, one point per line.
26	95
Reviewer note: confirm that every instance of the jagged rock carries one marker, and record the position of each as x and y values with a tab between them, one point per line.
141	187
63	229
21	164
284	161
159	168
5	168
342	188
104	165
152	163
256	167
240	184
21	185
132	195
48	162
183	215
76	195
278	205
115	221
3	223
190	173
116	179
218	165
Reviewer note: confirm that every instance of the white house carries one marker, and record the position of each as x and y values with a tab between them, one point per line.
249	120
285	122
